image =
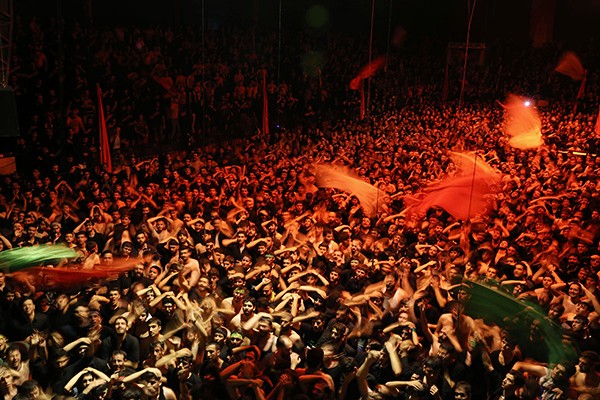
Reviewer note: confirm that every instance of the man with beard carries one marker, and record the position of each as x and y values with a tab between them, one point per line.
311	332
121	340
247	312
212	356
586	381
181	378
150	381
510	386
189	275
27	322
259	329
116	303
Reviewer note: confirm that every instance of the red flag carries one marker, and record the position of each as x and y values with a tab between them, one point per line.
581	91
464	195
522	122
371	198
571	66
367	72
104	145
48	278
265	117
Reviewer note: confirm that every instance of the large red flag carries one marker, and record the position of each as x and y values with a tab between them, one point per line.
371	198
105	159
367	72
522	122
462	196
265	117
571	66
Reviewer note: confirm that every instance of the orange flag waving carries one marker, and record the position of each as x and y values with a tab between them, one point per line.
367	72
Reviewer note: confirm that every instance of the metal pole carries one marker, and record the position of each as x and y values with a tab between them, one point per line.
464	77
389	38
370	56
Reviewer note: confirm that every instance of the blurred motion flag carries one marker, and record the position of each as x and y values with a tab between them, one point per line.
367	72
571	66
25	257
502	308
105	159
522	122
371	198
46	278
463	195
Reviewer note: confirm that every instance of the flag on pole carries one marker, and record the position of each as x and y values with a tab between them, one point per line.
105	159
571	66
371	198
265	116
581	91
367	72
463	195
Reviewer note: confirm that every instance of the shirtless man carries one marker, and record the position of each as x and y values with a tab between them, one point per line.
190	274
457	325
586	381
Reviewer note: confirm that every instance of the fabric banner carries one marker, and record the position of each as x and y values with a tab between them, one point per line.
105	159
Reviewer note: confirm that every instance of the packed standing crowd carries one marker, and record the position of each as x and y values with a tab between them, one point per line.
252	282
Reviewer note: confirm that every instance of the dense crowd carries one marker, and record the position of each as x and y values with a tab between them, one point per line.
248	280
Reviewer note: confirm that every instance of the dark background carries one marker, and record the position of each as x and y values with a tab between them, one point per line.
575	20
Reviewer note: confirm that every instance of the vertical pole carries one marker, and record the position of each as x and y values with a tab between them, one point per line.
464	77
370	55
389	37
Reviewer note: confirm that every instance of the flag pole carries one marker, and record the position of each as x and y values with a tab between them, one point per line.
464	76
370	54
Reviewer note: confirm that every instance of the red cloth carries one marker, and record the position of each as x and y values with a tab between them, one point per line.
571	66
367	72
45	278
105	158
462	196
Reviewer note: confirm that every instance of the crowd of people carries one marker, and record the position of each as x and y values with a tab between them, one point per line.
250	281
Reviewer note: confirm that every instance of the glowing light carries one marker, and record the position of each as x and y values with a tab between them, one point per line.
527	103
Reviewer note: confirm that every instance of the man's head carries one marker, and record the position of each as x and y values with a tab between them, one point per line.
248	306
154	327
14	357
121	325
28	307
512	380
212	351
117	360
151	383
265	326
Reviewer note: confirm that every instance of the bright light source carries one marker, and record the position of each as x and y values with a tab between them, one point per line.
527	103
